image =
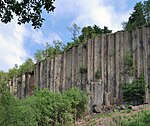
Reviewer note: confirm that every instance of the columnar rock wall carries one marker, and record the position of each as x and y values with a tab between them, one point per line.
97	67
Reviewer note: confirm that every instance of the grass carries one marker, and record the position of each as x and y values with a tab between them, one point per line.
139	117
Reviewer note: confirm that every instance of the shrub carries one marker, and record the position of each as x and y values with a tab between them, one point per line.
98	74
134	92
83	70
78	101
43	108
128	64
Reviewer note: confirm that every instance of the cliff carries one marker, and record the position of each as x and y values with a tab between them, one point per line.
101	67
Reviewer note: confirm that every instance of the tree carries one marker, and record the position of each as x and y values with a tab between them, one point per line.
134	93
137	18
147	11
27	66
52	51
25	10
74	30
13	72
39	55
3	76
90	32
86	33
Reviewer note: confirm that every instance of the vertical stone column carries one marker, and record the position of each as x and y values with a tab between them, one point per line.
121	66
110	70
84	62
145	62
117	60
69	68
80	66
148	55
59	57
22	89
73	67
56	74
48	73
64	71
45	74
52	75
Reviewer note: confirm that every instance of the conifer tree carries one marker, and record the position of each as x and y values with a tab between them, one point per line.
137	18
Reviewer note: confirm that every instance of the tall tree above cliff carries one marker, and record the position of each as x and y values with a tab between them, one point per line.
147	11
89	32
137	18
26	11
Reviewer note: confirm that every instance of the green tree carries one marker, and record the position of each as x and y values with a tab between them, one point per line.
137	18
13	72
134	93
106	30
79	100
49	51
90	32
25	10
147	11
86	34
39	55
27	66
3	76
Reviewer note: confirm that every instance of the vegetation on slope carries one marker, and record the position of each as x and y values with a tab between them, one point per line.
42	109
128	117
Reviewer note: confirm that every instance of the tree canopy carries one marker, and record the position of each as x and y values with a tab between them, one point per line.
25	10
140	16
137	18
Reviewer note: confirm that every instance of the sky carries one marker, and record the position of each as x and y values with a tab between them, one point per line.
19	42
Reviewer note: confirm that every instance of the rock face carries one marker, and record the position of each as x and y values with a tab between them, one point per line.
104	56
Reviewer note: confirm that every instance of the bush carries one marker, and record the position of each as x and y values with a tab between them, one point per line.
42	109
83	70
128	64
78	101
98	74
134	93
140	119
12	113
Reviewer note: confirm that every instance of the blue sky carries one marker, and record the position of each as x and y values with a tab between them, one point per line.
17	43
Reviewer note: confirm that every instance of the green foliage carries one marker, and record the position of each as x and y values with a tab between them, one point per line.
142	118
13	72
42	109
83	70
86	34
52	51
90	32
11	113
39	55
49	51
3	76
147	11
78	101
128	64
28	66
98	74
137	18
25	10
134	93
51	109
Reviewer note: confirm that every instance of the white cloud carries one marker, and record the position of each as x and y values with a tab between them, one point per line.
11	45
41	37
100	12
